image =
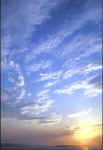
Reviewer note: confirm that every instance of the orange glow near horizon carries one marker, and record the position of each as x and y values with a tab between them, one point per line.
86	135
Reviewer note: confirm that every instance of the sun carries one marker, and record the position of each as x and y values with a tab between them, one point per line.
85	134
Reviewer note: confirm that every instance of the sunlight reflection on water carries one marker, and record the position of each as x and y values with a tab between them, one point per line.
85	148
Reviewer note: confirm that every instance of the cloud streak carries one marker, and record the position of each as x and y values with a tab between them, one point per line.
80	114
87	86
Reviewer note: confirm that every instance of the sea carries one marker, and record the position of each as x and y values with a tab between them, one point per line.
24	147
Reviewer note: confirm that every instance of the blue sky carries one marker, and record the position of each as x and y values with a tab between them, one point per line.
51	64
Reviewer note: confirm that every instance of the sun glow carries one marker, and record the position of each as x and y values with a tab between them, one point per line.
85	134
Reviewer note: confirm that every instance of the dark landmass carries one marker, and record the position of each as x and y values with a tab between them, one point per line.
15	147
44	147
66	146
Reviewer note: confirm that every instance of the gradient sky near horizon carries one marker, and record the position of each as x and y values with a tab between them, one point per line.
51	71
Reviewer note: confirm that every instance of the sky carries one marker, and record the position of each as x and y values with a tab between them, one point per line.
51	72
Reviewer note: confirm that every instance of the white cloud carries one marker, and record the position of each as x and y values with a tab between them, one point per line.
43	96
15	75
21	94
34	68
42	93
53	76
49	84
70	73
20	80
16	78
70	89
81	70
80	114
92	67
13	95
78	44
92	92
41	105
36	109
29	94
52	119
38	66
26	19
14	66
36	13
81	46
4	95
88	88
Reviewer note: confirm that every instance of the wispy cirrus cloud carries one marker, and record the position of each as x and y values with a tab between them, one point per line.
22	94
49	84
16	92
81	70
25	19
43	95
15	75
50	76
71	72
20	80
36	109
34	67
13	95
77	48
88	87
41	105
80	114
52	119
56	38
92	67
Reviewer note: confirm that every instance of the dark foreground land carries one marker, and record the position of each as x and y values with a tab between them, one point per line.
26	147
